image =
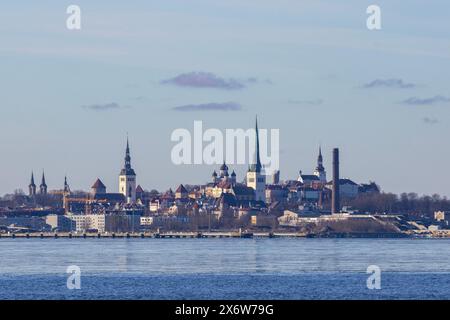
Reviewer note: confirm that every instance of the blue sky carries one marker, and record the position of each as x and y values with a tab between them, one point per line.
68	98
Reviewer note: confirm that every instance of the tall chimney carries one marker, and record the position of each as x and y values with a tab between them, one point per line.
335	200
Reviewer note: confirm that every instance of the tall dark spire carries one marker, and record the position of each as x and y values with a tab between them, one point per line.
257	164
127	170
32	186
32	179
127	156
43	179
43	186
66	185
320	160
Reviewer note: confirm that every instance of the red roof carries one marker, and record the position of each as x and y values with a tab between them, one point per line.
98	184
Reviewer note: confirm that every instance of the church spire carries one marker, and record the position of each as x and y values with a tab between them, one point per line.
257	165
43	186
43	179
320	170
32	186
66	185
127	170
32	179
320	158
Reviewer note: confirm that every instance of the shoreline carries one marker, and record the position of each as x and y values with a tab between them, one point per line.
220	234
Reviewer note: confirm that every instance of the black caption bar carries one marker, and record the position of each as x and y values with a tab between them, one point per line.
220	309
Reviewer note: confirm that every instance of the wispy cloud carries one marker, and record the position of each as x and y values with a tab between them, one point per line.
226	106
315	102
414	101
430	121
389	83
254	80
204	80
104	107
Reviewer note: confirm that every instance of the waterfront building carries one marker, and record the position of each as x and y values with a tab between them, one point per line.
127	178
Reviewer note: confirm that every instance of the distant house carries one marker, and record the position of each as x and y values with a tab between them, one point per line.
368	188
443	217
276	192
347	188
181	192
309	180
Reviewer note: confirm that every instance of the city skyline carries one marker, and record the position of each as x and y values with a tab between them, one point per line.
311	69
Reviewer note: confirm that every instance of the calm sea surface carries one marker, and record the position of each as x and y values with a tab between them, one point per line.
224	268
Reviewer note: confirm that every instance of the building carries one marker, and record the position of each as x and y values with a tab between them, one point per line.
223	176
255	178
276	193
369	188
181	192
442	217
98	188
309	180
347	188
59	222
127	178
100	223
146	221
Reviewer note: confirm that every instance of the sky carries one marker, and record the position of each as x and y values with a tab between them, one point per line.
311	69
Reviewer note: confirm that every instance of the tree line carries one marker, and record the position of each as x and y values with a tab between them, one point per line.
406	203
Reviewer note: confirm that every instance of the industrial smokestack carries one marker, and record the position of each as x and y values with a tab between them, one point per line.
335	198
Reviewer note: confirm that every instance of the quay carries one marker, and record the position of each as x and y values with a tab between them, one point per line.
156	235
216	234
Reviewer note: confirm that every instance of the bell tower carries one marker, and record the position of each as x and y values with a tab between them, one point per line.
127	178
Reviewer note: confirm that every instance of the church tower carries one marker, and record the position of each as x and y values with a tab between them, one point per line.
32	186
320	170
66	194
255	179
127	178
43	186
